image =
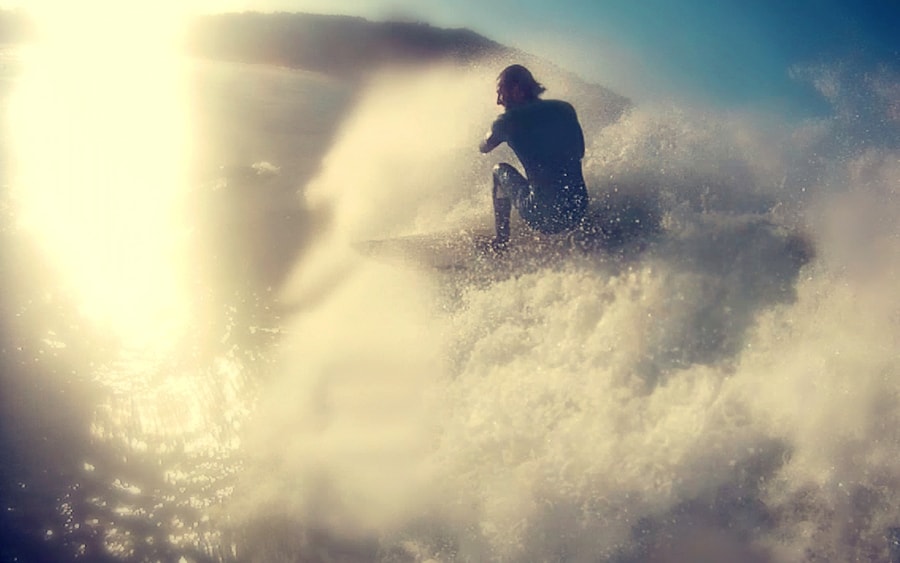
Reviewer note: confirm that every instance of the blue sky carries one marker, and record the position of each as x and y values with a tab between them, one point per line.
729	52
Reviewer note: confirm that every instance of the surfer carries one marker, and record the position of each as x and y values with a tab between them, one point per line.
546	137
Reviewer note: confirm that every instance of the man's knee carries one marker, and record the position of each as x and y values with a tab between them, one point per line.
503	167
507	181
502	188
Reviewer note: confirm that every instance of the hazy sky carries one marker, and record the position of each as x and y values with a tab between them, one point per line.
731	51
727	50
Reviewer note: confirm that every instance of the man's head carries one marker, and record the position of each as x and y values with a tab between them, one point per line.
516	86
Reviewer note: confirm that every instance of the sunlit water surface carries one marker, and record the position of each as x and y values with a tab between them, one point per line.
137	292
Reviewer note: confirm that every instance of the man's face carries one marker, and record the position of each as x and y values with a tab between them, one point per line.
509	94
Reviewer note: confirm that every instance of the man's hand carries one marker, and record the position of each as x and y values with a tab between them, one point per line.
489	143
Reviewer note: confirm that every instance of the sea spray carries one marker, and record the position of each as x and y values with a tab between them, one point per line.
723	391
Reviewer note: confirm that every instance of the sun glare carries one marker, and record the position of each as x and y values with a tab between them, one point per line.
101	144
110	25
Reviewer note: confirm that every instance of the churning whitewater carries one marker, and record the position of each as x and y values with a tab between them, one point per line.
724	390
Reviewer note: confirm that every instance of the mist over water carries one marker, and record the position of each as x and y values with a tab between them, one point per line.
724	388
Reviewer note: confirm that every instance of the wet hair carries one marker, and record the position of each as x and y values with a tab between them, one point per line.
521	76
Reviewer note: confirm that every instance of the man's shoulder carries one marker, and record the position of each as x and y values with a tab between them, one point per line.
538	106
537	111
543	109
559	105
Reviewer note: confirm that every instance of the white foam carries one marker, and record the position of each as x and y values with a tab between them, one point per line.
597	407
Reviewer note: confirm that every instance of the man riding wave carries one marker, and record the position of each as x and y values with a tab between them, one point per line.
546	137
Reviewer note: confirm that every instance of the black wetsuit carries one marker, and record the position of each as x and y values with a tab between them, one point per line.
548	141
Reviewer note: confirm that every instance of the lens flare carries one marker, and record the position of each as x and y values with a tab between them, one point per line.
99	124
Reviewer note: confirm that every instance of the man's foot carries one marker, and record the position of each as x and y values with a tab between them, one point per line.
499	245
495	246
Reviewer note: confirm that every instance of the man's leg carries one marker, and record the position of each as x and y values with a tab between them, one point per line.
502	211
508	183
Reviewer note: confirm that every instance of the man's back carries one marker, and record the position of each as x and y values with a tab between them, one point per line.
547	139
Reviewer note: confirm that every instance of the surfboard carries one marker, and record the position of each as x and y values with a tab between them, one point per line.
453	250
466	250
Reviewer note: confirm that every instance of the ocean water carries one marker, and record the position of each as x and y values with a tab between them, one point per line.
198	365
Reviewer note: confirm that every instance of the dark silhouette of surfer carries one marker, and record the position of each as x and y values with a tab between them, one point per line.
547	139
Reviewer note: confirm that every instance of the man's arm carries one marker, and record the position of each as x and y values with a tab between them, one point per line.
579	133
580	141
491	141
